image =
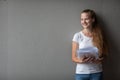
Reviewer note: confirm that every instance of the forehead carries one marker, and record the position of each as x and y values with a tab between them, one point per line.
85	15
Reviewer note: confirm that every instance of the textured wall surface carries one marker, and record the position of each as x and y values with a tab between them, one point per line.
36	37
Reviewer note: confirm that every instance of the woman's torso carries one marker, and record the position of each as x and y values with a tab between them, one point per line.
86	68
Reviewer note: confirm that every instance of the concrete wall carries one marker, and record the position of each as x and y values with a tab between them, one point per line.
36	37
3	39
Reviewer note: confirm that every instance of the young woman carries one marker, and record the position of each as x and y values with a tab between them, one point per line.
89	68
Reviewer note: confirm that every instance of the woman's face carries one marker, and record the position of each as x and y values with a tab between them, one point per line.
86	20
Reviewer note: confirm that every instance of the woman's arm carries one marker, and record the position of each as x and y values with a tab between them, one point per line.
74	55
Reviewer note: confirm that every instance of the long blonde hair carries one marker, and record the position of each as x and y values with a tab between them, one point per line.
98	37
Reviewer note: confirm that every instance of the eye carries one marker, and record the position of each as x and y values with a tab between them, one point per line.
82	19
87	19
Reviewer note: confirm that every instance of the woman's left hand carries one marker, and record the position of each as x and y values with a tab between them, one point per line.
99	60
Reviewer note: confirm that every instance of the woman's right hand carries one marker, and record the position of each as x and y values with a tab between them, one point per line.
81	60
86	59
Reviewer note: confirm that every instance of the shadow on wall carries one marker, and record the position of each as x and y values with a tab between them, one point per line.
110	65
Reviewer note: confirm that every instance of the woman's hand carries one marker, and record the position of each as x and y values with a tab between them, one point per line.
88	59
99	60
92	59
81	60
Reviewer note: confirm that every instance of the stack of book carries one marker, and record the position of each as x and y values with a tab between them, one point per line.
88	52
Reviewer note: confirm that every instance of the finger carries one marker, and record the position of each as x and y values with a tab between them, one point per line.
86	59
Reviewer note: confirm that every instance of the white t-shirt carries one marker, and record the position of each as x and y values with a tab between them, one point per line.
84	42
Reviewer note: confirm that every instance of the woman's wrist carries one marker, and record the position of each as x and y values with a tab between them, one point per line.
100	58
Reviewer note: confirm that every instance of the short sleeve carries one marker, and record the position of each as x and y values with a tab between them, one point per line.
75	37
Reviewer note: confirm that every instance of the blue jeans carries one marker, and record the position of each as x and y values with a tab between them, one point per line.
93	76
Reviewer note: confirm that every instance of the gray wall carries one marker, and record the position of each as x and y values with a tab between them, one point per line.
3	40
36	37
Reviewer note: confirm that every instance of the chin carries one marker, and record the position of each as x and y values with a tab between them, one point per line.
85	27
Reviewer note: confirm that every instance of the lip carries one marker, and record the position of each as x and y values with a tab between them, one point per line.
84	24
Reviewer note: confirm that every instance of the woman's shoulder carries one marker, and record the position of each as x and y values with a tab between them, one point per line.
78	33
78	36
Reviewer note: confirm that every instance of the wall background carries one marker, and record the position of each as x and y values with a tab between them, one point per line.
36	37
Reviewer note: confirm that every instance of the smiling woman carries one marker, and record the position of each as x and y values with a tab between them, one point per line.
89	67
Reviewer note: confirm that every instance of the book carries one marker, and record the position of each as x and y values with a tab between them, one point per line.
88	52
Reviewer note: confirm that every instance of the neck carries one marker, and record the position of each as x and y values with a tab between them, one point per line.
88	30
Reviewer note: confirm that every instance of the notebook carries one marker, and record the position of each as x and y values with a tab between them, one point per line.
88	52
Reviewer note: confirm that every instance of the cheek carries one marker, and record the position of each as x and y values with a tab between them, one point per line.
82	22
88	21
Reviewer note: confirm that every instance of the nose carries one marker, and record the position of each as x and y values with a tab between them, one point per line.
83	21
